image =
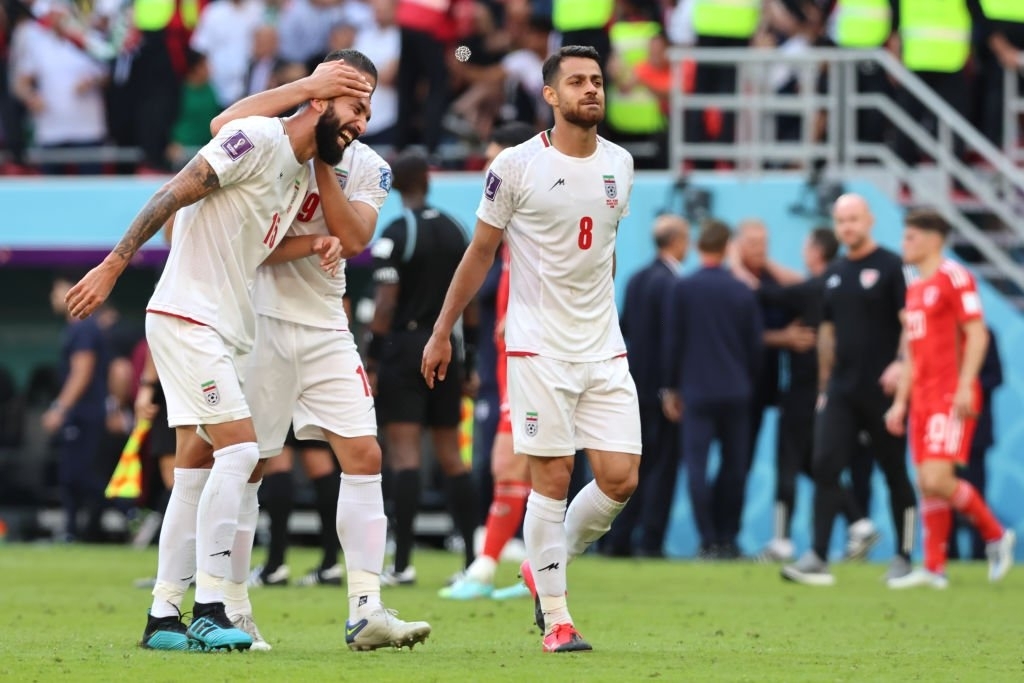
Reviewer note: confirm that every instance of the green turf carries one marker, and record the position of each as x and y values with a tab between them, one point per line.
71	614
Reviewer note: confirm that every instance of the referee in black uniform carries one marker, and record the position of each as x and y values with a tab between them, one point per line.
859	343
414	262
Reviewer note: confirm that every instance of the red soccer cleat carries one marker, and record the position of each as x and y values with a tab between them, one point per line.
565	638
526	574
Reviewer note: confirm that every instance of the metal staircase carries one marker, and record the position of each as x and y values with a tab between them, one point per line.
989	227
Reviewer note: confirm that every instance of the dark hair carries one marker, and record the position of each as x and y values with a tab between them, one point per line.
825	240
540	23
193	58
356	59
928	219
409	171
714	237
554	62
511	134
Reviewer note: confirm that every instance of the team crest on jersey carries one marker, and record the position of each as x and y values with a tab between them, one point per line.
210	393
342	177
833	281
531	424
611	191
931	295
385	178
868	278
237	146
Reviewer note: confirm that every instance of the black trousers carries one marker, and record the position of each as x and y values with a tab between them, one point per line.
836	443
713	79
650	505
717	506
422	58
951	87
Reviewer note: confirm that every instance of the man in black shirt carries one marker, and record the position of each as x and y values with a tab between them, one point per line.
803	304
859	343
415	259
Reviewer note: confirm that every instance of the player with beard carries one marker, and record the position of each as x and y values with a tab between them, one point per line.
305	366
237	196
557	200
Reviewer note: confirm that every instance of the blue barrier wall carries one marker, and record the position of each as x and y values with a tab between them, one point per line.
75	213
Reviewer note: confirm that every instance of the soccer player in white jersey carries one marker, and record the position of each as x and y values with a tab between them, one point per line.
557	199
237	197
306	371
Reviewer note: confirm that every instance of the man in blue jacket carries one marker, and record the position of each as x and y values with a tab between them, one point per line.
712	351
642	323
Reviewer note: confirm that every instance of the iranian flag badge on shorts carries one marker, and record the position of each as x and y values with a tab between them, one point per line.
531	424
210	393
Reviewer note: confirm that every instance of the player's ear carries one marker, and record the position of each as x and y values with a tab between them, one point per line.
550	96
319	106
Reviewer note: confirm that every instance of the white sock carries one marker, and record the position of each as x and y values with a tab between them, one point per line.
482	569
362	530
544	533
589	518
217	517
176	561
236	587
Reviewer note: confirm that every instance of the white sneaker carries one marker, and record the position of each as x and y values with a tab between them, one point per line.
861	537
1000	555
278	577
777	550
919	577
406	577
383	628
244	622
810	570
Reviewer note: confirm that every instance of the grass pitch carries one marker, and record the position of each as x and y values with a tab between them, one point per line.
71	614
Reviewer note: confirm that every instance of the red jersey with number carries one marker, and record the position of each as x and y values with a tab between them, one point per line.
937	307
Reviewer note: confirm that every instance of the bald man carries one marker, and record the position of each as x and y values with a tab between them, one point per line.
859	364
641	321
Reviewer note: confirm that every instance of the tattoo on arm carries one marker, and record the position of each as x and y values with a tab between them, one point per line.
191	184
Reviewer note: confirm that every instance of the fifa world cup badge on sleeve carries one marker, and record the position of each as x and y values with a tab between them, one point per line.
210	393
531	424
491	185
237	146
611	191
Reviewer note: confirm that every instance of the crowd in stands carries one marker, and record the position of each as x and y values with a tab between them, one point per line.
148	75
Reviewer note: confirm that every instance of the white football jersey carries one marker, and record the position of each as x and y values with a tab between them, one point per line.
560	215
300	291
221	240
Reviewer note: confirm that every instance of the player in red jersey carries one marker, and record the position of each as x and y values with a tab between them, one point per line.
947	341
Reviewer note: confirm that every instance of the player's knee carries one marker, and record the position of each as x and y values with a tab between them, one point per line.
935	483
619	485
361	455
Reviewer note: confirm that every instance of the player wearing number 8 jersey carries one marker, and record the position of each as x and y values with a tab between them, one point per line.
557	199
306	372
947	341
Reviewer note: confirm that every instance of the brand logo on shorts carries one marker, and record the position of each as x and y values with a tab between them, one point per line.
611	191
531	424
868	278
210	393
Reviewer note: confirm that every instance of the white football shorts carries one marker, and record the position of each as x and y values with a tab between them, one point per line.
201	375
559	407
308	377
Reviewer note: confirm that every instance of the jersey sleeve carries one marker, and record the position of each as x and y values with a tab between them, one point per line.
387	253
241	149
372	182
963	293
501	190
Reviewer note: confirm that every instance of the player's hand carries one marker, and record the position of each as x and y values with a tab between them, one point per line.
890	379
91	291
145	409
337	79
800	338
963	402
896	419
437	354
53	419
672	405
329	248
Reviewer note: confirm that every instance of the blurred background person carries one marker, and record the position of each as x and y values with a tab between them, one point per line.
225	35
263	60
382	44
712	352
199	106
642	322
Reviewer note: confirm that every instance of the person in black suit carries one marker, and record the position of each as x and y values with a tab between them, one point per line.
991	377
711	356
265	61
641	322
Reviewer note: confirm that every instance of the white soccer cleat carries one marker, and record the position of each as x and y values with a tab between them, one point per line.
245	622
406	577
918	578
1000	555
383	628
809	570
